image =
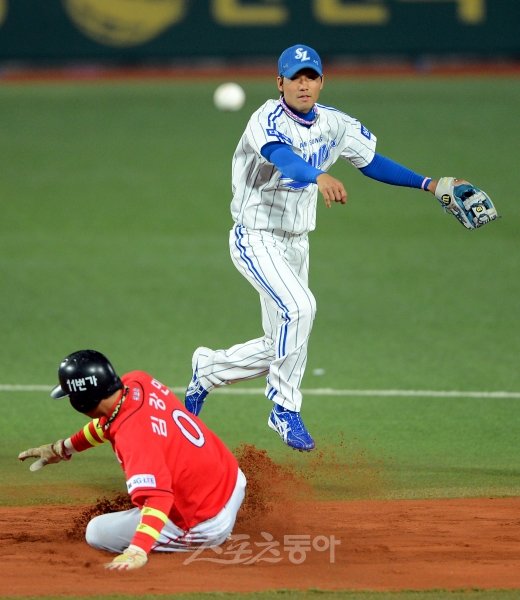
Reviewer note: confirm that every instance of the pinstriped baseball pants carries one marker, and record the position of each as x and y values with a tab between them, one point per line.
276	264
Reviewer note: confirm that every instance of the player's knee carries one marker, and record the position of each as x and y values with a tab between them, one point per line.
306	312
94	533
97	535
112	531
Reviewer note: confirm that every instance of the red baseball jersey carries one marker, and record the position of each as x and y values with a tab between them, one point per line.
172	461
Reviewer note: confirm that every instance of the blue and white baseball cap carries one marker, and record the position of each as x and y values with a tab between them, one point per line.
299	57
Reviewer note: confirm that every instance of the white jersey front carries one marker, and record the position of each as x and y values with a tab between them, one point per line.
266	200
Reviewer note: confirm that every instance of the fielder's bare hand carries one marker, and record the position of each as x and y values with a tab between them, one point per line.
331	189
132	558
47	455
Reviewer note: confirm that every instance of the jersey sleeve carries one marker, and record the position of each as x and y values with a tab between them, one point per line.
267	125
360	143
148	482
154	514
147	473
91	435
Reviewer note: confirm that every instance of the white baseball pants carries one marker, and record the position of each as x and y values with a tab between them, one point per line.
114	531
277	266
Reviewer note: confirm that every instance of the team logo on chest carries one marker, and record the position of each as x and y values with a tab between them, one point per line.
315	158
318	158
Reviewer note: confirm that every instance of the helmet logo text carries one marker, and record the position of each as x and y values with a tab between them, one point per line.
80	384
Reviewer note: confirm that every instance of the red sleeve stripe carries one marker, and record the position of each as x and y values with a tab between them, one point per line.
91	435
149	529
94	433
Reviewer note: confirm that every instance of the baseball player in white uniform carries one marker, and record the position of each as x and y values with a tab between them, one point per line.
278	167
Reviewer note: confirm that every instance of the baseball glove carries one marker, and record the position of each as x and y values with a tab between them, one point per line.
470	205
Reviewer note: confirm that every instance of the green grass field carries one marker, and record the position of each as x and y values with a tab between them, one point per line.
115	218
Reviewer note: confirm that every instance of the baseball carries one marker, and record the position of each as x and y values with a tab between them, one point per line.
229	96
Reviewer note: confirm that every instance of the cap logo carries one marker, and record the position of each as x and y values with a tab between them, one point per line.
80	384
301	54
297	58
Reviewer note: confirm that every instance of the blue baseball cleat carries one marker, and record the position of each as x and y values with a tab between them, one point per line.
289	425
195	393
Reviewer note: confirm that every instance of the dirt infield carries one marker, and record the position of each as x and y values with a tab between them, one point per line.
286	537
378	545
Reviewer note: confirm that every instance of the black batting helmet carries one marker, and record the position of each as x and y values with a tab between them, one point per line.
86	377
